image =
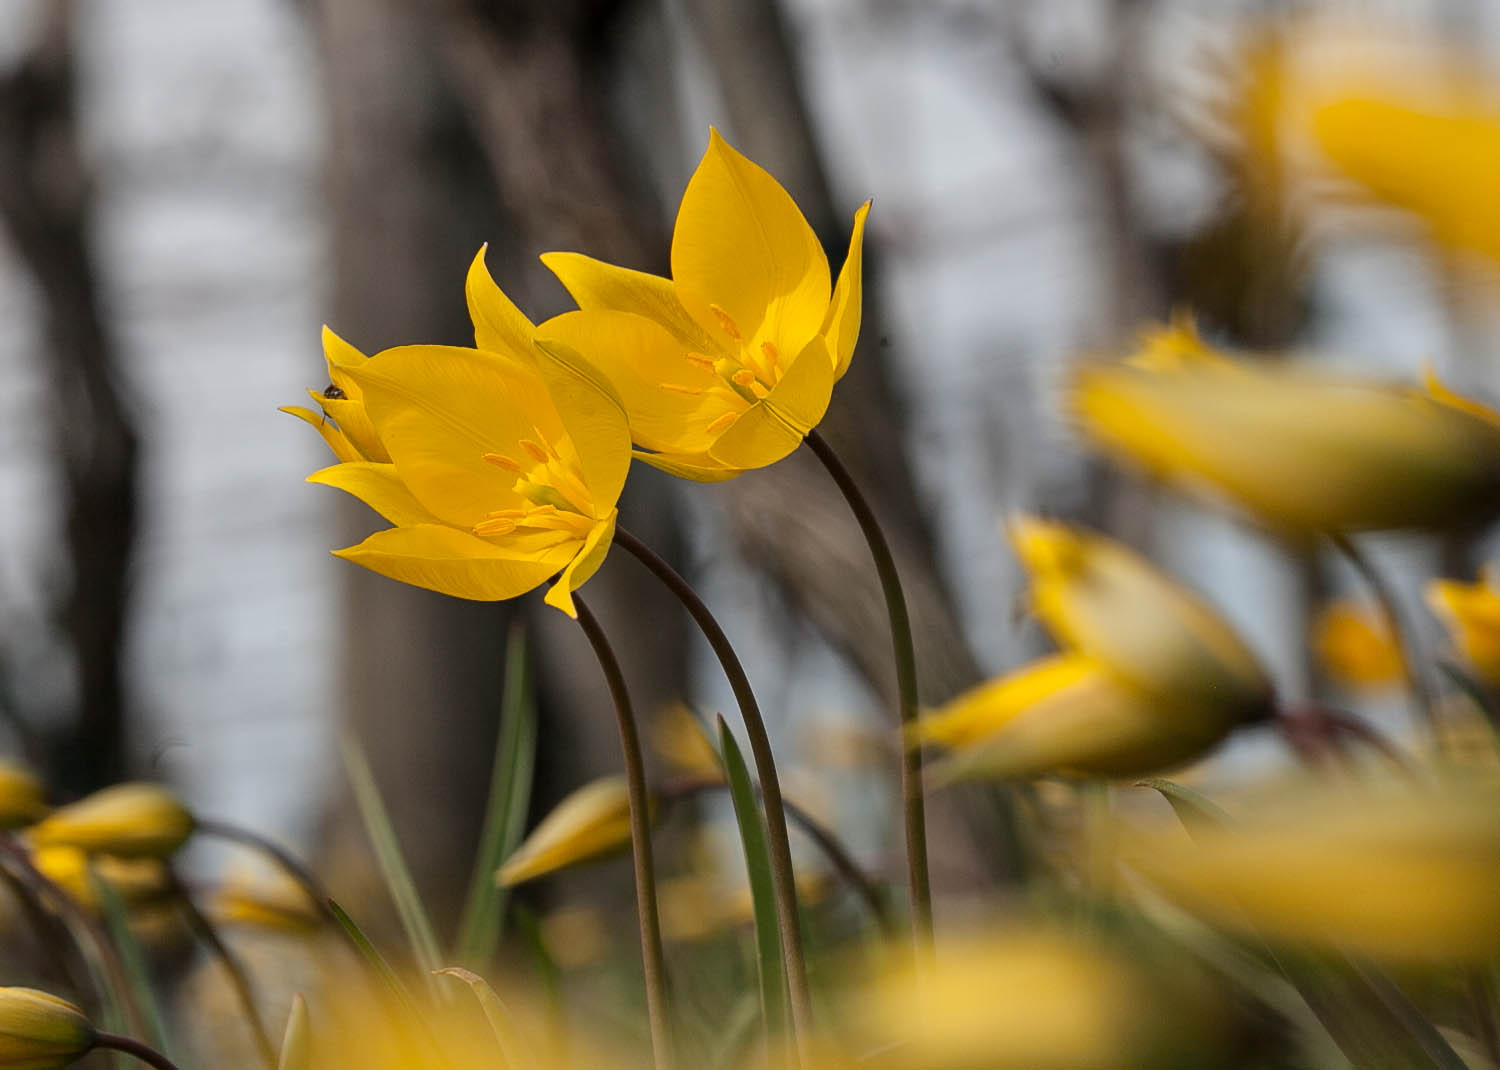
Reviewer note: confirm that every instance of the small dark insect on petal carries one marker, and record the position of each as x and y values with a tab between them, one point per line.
331	391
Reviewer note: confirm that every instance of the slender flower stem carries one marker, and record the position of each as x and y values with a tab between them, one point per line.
44	888
148	1055
1421	694
640	838
205	931
287	862
913	802
838	856
782	876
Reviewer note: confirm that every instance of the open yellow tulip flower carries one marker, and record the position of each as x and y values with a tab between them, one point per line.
1471	612
728	364
341	418
1303	452
1406	876
506	462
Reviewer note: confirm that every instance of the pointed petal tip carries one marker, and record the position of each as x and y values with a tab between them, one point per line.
560	597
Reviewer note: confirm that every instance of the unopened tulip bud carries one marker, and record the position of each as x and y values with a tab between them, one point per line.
128	820
39	1031
21	796
296	1043
589	822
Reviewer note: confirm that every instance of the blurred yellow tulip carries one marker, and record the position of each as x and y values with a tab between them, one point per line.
138	820
728	364
1302	452
1356	648
591	821
267	900
39	1031
1404	876
133	880
22	795
1471	613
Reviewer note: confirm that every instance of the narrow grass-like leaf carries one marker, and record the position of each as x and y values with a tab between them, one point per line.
377	822
752	826
373	958
507	1038
132	960
483	918
548	973
1194	809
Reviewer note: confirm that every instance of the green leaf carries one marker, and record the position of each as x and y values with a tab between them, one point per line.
132	959
373	958
377	822
752	825
483	917
507	1039
1194	809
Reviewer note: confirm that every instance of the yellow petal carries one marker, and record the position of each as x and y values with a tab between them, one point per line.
595	285
590	821
699	467
776	426
841	329
984	710
450	561
379	487
499	326
594	417
637	356
1355	646
40	1031
440	409
1471	614
136	820
354	421
341	446
742	250
22	795
584	565
341	356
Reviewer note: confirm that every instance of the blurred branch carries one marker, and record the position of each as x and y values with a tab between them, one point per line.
46	203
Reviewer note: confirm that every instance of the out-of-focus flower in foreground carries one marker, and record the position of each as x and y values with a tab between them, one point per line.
591	821
1355	646
22	795
139	820
39	1031
1471	612
727	365
1038	1000
1302	452
1407	876
133	880
506	463
341	418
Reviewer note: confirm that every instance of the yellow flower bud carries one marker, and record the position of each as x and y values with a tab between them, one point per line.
21	795
1303	453
264	900
589	822
1406	877
133	880
129	820
1100	599
39	1031
1356	647
1471	612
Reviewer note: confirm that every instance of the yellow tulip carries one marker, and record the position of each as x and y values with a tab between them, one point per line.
22	795
128	820
1471	612
133	880
1356	647
1405	877
1303	452
341	418
506	462
266	901
39	1031
1100	599
727	365
591	821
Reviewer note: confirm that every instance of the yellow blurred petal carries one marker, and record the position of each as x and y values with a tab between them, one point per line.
499	326
589	822
841	328
1355	646
984	710
678	736
1471	614
440	409
341	446
379	487
452	562
638	355
597	286
584	565
22	795
742	246
296	1040
137	820
774	427
1439	392
594	418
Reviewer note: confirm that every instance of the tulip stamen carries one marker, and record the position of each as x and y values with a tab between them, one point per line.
701	360
535	449
773	359
722	423
679	388
726	322
495	526
501	461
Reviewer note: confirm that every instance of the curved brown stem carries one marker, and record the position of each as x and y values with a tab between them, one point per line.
146	1054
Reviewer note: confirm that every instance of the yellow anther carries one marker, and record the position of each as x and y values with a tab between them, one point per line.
503	514
743	377
759	390
495	526
535	449
771	353
700	359
679	388
728	324
722	423
500	460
